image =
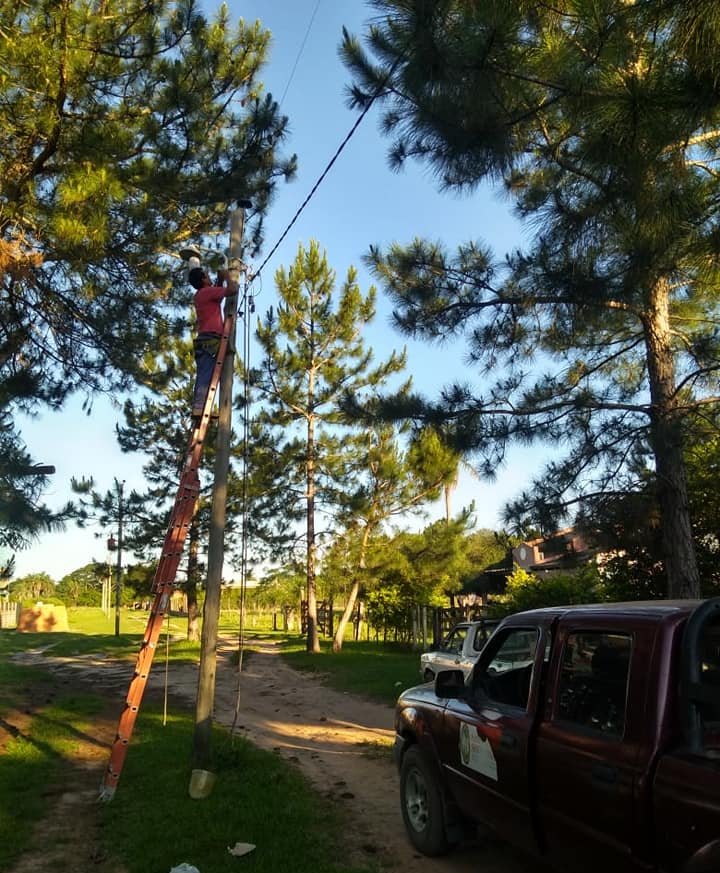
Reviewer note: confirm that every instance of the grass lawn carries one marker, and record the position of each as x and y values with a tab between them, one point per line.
378	671
152	823
38	752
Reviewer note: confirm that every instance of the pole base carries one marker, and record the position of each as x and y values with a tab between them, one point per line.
106	793
201	784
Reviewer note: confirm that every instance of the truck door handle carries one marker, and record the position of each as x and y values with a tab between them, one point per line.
508	741
604	773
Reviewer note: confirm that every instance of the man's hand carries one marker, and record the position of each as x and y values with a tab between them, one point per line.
222	277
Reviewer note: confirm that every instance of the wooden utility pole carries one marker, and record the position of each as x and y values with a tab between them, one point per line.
118	566
202	751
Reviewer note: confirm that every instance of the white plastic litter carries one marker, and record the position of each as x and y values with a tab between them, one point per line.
184	868
241	849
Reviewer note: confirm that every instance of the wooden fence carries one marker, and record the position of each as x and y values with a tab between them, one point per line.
9	614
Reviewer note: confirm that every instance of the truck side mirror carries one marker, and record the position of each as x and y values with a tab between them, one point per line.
450	684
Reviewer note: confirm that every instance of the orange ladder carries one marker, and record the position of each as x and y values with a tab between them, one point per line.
164	579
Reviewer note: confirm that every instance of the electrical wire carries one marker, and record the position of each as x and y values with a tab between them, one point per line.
300	52
327	169
248	307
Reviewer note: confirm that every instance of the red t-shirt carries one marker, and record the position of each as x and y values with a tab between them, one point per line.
207	308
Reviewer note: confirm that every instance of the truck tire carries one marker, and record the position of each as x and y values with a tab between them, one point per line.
422	805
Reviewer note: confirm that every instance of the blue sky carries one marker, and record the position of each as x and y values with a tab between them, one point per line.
361	202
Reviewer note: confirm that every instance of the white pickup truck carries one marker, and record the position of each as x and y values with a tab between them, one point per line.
458	651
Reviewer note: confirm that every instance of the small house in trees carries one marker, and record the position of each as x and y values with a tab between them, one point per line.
562	552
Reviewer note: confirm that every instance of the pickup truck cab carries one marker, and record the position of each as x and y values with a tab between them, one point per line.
588	735
459	650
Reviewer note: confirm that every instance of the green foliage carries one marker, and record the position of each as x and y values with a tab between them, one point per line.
389	481
703	468
481	549
639	575
33	587
388	609
313	354
601	122
138	579
526	591
122	134
427	564
280	588
627	526
83	587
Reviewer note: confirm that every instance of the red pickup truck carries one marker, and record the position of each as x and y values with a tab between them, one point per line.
600	753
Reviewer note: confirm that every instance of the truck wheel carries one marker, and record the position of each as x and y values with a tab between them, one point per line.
422	806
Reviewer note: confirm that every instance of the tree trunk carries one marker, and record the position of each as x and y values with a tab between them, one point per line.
313	638
681	568
354	591
415	626
358	620
346	616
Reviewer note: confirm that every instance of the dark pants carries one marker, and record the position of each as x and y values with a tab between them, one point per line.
206	349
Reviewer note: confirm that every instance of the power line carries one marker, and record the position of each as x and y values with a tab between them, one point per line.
299	54
324	173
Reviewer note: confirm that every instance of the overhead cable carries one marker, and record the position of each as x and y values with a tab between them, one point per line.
300	51
330	164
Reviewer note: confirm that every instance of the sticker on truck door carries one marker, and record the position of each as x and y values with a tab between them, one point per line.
476	752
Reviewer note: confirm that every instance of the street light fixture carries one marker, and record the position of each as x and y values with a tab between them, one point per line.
193	254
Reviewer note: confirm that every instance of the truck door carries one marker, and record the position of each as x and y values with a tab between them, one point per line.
586	764
485	738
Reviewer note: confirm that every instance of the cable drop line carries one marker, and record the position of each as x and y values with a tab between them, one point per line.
330	164
299	54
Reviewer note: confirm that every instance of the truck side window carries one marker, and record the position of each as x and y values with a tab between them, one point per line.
506	677
454	641
710	680
594	680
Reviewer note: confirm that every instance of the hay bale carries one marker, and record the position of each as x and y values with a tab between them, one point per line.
43	617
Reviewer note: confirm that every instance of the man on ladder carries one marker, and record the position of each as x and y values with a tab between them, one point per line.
209	329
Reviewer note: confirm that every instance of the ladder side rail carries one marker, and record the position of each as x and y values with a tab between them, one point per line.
165	574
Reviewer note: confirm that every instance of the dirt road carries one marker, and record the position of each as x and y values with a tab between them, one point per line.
340	742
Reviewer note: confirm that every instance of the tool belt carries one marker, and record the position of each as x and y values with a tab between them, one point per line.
209	345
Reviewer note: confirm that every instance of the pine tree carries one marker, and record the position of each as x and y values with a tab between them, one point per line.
22	512
158	428
602	338
313	354
392	482
127	129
